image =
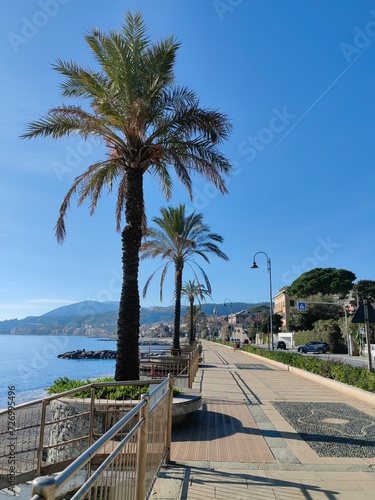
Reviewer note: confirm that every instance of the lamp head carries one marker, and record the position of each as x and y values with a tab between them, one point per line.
254	266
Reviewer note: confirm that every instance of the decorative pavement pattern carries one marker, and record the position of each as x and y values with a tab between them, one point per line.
331	429
245	366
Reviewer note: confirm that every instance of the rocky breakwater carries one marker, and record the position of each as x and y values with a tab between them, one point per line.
83	354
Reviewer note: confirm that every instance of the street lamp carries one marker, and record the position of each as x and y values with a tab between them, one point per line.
254	266
226	302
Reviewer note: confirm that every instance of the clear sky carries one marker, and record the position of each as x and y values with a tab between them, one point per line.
297	80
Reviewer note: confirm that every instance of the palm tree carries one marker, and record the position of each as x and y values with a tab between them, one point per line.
178	239
148	123
193	291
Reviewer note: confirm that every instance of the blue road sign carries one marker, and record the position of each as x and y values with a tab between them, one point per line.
301	306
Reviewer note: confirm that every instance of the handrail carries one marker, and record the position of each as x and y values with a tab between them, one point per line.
85	487
64	476
46	487
48	399
41	448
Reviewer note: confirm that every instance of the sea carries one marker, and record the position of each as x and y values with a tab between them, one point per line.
30	363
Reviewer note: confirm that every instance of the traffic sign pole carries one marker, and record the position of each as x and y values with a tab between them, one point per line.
367	330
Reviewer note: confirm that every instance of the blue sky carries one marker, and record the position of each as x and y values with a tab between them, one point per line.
297	81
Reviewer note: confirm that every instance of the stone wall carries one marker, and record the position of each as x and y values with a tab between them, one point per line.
69	428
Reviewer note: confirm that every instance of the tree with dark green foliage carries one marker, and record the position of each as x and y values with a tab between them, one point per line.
323	310
178	239
364	289
325	330
277	323
326	281
149	124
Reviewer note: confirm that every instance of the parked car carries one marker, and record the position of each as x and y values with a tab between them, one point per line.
314	346
280	344
235	341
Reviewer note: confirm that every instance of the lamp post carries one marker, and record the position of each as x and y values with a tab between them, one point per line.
215	319
226	302
254	266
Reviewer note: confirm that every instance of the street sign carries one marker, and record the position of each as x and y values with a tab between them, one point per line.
301	306
359	316
257	318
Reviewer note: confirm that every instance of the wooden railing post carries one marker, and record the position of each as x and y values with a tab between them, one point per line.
190	361
140	486
168	440
41	437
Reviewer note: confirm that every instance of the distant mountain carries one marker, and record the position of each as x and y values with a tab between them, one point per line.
94	318
87	307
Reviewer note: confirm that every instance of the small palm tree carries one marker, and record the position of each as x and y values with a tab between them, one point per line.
178	239
193	291
148	123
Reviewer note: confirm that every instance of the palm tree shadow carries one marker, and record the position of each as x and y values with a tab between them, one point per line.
204	425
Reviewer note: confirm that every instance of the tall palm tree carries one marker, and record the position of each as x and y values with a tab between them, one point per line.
148	124
178	239
192	291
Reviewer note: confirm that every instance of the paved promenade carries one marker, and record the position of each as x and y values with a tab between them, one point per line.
266	433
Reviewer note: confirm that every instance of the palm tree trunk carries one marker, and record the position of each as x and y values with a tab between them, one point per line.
177	307
191	336
127	357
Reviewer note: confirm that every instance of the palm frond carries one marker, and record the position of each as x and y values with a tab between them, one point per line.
178	238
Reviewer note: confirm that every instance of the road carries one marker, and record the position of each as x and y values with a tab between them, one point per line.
361	361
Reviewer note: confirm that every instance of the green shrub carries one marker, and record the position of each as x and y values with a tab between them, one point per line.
326	331
64	384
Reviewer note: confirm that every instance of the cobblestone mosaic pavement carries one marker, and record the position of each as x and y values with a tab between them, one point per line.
331	429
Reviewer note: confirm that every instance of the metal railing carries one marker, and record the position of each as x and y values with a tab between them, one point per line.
124	462
183	367
49	433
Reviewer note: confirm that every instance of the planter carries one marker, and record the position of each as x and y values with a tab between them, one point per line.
69	426
185	404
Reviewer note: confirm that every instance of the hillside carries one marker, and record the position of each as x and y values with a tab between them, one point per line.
97	318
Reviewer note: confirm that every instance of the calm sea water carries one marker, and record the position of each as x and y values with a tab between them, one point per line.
30	363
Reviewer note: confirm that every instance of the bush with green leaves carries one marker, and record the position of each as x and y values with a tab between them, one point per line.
326	331
64	384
